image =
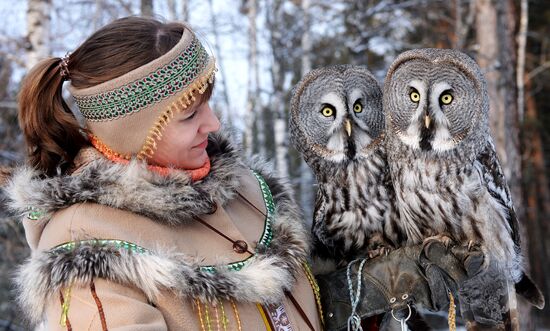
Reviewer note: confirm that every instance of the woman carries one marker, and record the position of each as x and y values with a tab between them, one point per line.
147	219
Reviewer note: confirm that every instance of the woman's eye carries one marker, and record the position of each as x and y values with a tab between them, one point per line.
190	116
446	98
327	112
415	96
357	108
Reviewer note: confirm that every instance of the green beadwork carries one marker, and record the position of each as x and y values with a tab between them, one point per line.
267	235
118	244
34	214
157	86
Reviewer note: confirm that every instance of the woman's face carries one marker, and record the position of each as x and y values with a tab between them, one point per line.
184	140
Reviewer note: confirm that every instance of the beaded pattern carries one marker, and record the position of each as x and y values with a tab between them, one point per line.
119	244
33	213
267	235
181	103
158	85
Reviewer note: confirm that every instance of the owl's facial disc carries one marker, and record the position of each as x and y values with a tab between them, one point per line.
428	128
361	114
332	114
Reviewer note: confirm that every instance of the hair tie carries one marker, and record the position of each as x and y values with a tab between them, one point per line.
64	65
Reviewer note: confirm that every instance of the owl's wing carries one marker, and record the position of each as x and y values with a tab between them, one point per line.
322	244
490	170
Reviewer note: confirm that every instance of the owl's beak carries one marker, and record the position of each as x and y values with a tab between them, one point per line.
427	121
348	127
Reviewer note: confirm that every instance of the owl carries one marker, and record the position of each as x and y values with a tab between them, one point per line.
337	124
447	178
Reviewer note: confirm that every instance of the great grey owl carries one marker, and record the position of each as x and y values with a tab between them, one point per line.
447	177
337	124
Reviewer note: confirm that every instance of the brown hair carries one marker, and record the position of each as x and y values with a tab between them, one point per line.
51	131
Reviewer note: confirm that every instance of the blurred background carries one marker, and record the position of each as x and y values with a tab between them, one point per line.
263	47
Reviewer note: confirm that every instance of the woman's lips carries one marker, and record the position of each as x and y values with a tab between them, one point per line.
203	144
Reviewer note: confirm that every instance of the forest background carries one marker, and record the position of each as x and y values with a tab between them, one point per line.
263	47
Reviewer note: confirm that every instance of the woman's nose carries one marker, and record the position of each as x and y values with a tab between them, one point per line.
210	121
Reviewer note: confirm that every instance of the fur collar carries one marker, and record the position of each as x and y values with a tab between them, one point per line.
131	187
264	279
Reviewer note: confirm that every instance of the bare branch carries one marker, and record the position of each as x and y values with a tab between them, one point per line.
538	70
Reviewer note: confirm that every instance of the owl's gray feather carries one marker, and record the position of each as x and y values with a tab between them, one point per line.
446	174
354	211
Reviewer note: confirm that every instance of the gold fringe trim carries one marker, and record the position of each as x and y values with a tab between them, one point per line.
198	303
452	313
237	316
224	317
186	98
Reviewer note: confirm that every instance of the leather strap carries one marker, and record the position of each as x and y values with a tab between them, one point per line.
300	310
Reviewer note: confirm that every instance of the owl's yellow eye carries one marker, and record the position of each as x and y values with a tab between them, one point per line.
357	108
446	98
415	96
327	112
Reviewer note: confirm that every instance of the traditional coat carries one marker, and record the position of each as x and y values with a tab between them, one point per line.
120	247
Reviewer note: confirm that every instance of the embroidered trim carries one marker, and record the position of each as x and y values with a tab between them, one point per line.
267	235
71	245
266	319
156	86
186	99
279	317
33	213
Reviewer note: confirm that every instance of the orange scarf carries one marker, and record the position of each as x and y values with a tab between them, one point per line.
196	174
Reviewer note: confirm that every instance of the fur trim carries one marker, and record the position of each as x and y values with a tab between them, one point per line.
130	187
264	279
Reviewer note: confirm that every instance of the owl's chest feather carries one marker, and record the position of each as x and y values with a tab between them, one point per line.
441	197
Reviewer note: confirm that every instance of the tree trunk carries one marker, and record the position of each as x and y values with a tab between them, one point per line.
306	177
147	8
172	11
227	104
537	196
38	31
274	18
495	26
185	10
252	88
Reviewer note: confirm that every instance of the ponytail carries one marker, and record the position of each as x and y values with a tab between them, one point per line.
52	133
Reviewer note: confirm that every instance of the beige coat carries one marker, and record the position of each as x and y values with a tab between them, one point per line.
158	284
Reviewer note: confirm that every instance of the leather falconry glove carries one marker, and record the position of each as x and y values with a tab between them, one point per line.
396	283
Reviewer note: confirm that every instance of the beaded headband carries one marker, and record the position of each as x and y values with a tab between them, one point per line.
134	109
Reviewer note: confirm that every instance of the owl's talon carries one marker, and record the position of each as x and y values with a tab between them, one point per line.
444	239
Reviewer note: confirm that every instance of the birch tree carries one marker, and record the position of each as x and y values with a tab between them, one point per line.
306	178
38	31
253	82
274	20
146	8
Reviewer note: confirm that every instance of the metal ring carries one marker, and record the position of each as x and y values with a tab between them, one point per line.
405	319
